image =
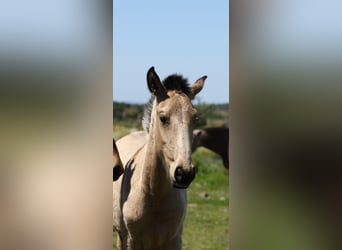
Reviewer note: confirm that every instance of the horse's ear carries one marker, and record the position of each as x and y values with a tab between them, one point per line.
154	85
197	87
197	132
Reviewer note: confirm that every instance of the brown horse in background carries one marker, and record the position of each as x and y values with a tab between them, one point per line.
149	199
117	164
215	139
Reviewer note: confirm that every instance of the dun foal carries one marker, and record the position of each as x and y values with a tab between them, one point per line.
149	203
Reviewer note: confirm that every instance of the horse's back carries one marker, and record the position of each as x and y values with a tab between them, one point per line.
130	144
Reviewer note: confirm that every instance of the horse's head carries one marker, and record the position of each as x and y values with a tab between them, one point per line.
172	121
117	164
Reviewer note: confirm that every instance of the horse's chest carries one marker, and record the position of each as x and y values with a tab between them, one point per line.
158	220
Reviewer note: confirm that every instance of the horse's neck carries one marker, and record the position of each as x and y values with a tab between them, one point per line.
154	176
214	142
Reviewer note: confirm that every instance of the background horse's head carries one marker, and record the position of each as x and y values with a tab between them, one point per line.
171	122
196	141
117	164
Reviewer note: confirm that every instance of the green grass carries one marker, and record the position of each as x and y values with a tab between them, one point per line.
206	223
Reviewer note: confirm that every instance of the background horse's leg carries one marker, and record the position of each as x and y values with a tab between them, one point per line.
132	245
176	243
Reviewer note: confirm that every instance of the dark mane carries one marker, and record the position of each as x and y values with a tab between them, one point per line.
172	82
177	82
146	120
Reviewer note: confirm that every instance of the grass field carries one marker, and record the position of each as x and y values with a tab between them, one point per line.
206	223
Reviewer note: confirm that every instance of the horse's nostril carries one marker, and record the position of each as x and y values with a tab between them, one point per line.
178	174
179	170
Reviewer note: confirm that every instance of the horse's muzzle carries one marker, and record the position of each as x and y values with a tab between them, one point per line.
117	172
183	178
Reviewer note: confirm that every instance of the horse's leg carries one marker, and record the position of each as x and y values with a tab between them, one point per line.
175	243
132	245
119	242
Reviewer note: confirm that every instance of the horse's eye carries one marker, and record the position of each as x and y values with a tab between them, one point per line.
164	119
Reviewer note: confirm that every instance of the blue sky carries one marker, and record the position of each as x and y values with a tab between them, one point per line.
185	37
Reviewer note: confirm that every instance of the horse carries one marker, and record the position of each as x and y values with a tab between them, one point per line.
117	163
150	199
215	139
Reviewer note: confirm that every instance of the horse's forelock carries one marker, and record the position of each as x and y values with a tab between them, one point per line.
177	82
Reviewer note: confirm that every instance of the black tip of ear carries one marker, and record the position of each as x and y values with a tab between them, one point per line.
151	74
151	71
204	77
